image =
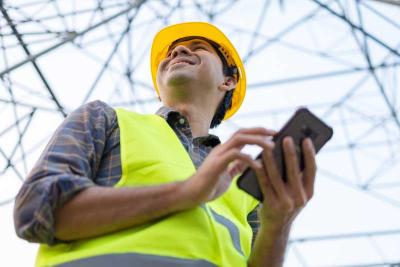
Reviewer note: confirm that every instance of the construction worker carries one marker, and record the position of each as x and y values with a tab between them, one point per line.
119	188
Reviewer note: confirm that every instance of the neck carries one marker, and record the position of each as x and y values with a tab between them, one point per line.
199	117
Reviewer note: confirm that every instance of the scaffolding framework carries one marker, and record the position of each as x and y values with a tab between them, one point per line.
340	58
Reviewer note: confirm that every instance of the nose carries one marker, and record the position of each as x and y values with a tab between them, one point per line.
178	50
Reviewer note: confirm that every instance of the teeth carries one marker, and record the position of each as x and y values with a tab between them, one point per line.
181	62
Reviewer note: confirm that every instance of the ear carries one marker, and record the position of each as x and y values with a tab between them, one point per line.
229	84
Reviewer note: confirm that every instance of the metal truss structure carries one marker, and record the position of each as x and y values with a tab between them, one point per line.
339	57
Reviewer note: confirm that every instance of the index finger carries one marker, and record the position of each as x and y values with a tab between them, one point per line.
310	166
257	131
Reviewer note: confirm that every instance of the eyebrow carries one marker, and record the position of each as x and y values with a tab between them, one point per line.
200	42
194	43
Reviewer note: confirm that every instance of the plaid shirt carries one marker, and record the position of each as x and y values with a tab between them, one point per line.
83	152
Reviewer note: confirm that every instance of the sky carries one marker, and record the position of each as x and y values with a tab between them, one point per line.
295	55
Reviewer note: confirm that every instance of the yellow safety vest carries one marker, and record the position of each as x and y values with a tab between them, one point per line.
213	234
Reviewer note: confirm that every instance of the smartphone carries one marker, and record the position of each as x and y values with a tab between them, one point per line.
301	125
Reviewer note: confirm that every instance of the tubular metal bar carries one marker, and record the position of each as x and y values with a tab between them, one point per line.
263	84
345	236
376	264
36	67
391	2
110	56
71	37
365	51
351	24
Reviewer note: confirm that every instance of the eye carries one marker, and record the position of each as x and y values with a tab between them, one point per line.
201	47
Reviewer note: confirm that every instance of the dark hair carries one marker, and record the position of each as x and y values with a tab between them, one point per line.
226	102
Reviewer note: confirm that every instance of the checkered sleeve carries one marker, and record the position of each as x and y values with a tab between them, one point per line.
254	221
67	165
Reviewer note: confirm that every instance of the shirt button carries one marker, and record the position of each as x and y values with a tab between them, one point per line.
181	120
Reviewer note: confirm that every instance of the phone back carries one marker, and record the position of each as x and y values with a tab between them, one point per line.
303	124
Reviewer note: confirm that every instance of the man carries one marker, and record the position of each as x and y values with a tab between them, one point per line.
118	188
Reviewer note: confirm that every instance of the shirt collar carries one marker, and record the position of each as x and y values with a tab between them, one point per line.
171	116
166	112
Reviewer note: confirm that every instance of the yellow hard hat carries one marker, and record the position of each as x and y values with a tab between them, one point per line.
168	35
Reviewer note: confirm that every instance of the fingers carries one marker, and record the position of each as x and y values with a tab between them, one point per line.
257	130
225	154
294	175
253	136
273	173
264	182
310	168
237	167
235	154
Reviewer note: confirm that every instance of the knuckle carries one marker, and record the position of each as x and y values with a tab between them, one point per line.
235	134
240	131
259	167
238	138
301	202
234	151
287	205
245	156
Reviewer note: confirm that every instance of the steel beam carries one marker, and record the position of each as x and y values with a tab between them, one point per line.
35	66
391	2
352	25
72	36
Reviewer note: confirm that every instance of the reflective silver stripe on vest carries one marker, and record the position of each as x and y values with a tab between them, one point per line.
233	230
136	260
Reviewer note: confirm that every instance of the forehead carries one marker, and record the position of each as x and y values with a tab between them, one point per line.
191	41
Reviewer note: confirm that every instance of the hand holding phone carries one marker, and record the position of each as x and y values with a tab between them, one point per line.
303	124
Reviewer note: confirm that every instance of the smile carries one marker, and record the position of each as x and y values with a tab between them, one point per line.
180	62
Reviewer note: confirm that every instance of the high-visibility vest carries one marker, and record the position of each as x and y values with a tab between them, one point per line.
212	234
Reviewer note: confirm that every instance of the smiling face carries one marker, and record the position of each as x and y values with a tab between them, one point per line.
191	67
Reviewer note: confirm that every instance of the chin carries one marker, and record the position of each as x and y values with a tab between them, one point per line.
179	79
